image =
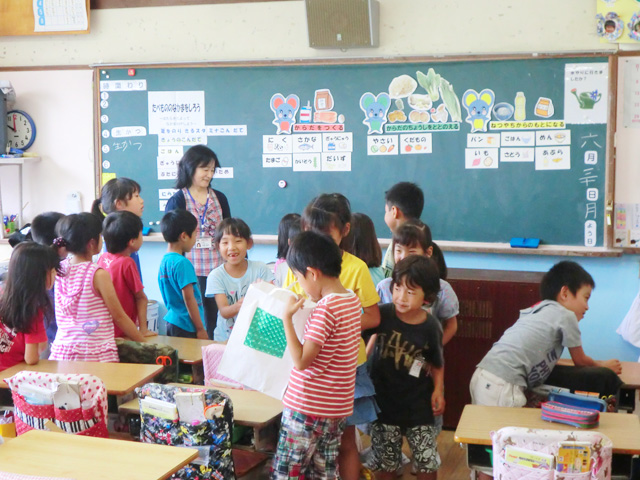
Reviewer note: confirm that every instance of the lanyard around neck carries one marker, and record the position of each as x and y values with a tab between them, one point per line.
206	206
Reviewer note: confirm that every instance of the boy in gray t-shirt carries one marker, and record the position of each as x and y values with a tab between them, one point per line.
527	352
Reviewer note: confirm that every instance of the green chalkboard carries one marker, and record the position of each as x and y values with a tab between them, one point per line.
474	189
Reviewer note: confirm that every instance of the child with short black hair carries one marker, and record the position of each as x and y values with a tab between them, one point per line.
120	194
288	228
527	352
409	387
43	231
330	213
414	238
122	233
319	396
403	201
229	282
177	277
87	306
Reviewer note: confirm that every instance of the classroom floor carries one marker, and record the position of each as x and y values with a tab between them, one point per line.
454	462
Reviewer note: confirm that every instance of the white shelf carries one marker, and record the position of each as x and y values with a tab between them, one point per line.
15	162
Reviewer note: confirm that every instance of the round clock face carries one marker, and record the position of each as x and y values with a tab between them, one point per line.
21	130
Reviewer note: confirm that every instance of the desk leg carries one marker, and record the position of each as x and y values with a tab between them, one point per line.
197	372
265	437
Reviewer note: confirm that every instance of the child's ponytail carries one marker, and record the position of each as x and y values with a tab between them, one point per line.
96	208
76	230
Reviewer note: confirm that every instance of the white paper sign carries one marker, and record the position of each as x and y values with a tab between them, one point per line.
415	143
176	110
590	233
223	172
307	143
276	160
518	139
553	158
162	205
226	130
586	92
167	173
479	140
123	85
481	158
382	145
631	99
166	193
277	144
171	150
118	132
60	15
553	137
181	139
337	142
336	162
508	154
307	162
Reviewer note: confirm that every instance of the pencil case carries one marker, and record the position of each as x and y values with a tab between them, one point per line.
570	415
578	401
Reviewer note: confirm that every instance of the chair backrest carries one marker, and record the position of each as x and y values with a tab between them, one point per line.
211	357
211	437
151	353
78	406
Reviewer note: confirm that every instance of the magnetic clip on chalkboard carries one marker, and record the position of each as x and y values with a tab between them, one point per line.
520	242
146	231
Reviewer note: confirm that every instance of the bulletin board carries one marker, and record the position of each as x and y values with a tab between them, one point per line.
58	17
503	147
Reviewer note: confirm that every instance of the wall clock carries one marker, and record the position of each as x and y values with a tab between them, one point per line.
21	130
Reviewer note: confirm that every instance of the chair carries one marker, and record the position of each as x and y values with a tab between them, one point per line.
211	357
78	406
212	437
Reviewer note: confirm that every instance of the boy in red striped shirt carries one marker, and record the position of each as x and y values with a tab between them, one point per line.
319	396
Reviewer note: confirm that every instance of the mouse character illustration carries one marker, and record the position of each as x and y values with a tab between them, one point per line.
375	110
285	110
478	108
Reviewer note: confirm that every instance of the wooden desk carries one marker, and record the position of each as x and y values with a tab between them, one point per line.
477	422
119	378
87	458
250	408
189	349
189	352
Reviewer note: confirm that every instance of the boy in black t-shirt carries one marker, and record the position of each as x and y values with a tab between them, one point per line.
408	371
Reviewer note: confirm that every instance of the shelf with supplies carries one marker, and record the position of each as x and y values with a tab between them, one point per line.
15	162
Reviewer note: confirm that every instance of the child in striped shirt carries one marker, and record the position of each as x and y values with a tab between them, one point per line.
320	392
86	302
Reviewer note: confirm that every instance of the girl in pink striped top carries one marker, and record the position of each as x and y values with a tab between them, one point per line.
86	301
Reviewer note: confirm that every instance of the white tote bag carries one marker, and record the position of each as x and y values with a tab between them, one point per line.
257	354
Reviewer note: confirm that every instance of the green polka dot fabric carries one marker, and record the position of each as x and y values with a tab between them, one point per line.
266	334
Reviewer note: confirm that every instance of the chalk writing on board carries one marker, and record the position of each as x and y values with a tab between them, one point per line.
126	144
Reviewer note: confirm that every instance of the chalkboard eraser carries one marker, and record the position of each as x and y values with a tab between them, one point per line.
520	242
146	231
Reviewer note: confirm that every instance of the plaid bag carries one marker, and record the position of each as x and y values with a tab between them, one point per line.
150	353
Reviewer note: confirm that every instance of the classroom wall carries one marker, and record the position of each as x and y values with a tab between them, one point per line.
277	30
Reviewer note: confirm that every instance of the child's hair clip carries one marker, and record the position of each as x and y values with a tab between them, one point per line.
610	26
634	27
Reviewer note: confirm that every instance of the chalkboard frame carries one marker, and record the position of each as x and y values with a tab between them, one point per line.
462	246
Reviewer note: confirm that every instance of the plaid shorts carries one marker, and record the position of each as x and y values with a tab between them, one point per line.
386	443
308	446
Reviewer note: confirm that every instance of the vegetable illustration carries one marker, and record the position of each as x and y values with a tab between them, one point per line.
430	82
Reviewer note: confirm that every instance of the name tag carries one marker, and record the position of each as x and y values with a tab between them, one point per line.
203	242
417	366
